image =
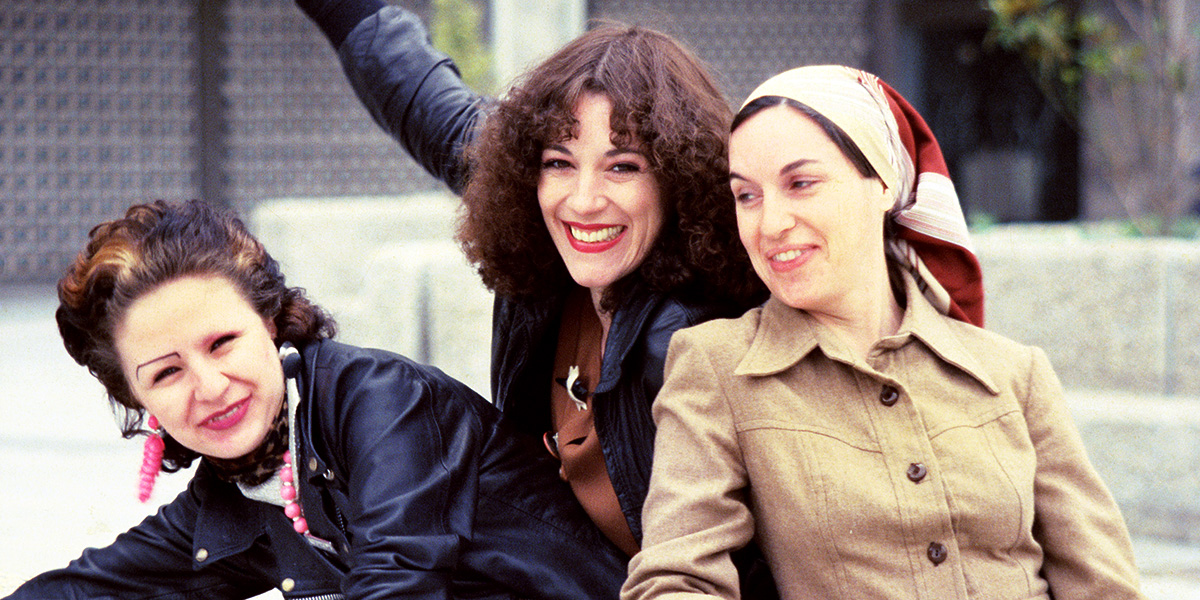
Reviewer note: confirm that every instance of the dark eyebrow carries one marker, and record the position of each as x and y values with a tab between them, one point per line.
153	360
783	170
610	153
794	164
616	151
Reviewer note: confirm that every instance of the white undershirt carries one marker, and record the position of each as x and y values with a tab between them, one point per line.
268	491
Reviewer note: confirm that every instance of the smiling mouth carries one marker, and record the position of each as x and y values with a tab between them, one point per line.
228	417
786	256
595	236
788	260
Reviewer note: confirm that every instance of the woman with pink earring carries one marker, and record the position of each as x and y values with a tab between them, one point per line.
151	459
326	471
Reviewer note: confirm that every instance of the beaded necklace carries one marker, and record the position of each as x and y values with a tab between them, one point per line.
287	476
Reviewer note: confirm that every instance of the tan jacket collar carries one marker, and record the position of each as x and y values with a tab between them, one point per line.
786	335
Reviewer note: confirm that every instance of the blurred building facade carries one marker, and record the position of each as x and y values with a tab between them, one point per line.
105	103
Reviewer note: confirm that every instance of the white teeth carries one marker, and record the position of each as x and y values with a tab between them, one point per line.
599	235
222	416
786	256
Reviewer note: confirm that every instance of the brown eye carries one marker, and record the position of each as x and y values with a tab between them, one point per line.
744	196
165	373
221	341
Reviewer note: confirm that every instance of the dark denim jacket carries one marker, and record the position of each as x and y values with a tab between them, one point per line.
420	485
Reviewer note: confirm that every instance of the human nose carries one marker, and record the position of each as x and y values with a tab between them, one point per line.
777	217
211	382
588	194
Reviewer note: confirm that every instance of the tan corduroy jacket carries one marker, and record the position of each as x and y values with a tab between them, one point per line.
944	467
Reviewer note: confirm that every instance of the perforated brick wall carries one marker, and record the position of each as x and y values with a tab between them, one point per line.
100	104
94	113
746	41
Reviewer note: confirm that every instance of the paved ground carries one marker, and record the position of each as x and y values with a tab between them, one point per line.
69	479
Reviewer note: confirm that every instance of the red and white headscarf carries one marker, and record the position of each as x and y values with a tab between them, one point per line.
930	235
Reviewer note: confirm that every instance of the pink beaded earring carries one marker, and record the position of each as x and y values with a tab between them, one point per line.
152	453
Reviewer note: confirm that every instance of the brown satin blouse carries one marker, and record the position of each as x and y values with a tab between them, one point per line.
574	440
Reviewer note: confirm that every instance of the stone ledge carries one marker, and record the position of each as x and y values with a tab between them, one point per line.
389	271
324	244
1111	312
1146	449
423	300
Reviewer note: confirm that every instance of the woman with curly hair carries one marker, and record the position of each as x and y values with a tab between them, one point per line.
326	471
596	207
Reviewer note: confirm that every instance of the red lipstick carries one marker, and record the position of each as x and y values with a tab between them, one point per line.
592	247
227	418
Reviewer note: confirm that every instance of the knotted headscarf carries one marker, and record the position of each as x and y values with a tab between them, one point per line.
929	237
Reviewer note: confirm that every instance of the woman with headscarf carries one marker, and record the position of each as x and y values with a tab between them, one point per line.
860	425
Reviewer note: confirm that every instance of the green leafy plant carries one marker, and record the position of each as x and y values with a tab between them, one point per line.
1121	71
456	30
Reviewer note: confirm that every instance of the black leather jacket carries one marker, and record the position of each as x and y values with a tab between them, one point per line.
412	90
524	339
423	490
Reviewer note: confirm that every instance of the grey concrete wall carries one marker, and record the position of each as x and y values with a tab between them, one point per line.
391	274
1147	450
1112	312
1119	318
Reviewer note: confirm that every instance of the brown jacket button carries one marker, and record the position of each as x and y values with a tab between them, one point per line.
889	395
916	472
937	553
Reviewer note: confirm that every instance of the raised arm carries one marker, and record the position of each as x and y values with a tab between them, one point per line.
413	91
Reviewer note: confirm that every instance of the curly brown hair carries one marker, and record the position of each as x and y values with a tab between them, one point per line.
151	245
666	103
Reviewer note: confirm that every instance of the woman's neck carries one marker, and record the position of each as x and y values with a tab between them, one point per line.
864	318
605	317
